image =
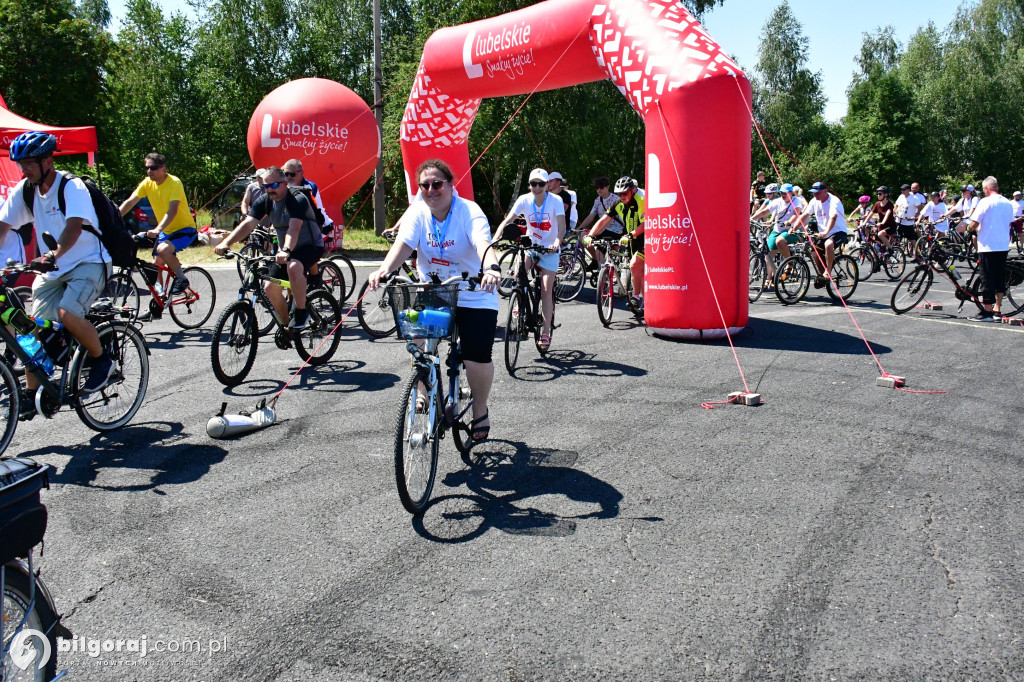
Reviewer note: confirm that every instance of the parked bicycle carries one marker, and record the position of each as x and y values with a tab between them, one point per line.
424	315
30	623
236	335
189	310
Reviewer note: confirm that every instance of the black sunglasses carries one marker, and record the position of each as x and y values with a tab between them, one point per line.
273	185
537	183
149	168
432	185
290	174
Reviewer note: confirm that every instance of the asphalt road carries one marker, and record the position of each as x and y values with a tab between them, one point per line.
613	529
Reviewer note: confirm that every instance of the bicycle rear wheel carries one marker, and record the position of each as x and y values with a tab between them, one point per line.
792	280
416	442
374	312
348	269
318	342
234	343
843	282
114	405
9	405
864	257
895	262
38	616
515	329
194	307
606	295
571	276
911	290
122	292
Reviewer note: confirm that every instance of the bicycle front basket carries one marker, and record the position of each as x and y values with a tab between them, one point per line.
22	515
424	311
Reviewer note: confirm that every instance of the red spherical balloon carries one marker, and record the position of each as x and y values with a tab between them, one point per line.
327	127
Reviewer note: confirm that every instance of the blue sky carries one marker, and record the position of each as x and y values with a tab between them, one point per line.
834	29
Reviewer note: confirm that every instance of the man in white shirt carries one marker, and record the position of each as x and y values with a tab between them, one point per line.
63	294
908	208
1018	205
832	235
991	219
574	215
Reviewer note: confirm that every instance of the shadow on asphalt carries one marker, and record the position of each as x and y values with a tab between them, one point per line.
178	339
160	449
500	476
785	336
560	363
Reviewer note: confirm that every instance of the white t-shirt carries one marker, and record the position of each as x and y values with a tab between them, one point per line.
919	200
1018	207
574	215
47	216
993	215
12	249
906	208
541	223
780	211
966	206
823	212
467	228
934	212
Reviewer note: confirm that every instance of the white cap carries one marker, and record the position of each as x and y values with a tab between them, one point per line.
539	174
1017	193
554	175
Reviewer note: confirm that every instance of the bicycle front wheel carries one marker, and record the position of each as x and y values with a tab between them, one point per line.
1013	295
863	256
416	442
115	404
509	264
194	307
38	616
348	270
318	342
911	290
755	277
843	282
122	292
792	280
606	295
572	274
515	329
374	312
234	343
9	405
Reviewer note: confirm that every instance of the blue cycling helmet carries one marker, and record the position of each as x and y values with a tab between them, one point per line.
786	187
33	145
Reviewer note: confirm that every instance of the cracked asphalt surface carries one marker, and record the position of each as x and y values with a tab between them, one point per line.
613	529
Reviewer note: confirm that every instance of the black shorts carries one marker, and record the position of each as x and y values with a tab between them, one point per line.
993	274
839	240
307	254
891	230
908	231
476	332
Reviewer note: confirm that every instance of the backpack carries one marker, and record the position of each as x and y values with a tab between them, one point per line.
308	192
112	232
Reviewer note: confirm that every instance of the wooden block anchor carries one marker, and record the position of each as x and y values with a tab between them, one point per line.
890	382
741	398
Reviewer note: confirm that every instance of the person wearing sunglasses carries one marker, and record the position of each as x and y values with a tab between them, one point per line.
452	236
545	226
177	228
300	238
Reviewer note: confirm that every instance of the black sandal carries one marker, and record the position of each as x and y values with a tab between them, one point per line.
480	433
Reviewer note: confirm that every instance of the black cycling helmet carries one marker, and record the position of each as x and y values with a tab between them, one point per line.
33	145
883	188
624	184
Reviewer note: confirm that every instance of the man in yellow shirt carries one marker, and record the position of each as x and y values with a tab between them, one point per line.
177	228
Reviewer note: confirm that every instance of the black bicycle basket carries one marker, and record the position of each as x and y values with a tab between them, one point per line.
22	515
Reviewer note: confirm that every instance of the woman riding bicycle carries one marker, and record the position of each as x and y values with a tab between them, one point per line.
545	219
452	236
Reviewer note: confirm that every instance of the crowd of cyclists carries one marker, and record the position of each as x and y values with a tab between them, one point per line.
990	222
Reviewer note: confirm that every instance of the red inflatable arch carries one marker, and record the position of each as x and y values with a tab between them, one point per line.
697	131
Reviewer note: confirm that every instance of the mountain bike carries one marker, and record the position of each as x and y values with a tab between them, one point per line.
912	289
424	315
236	335
190	309
572	269
263	242
793	277
109	408
614	275
872	256
30	623
525	314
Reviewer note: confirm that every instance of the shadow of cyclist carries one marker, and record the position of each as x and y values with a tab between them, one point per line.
560	363
161	449
503	474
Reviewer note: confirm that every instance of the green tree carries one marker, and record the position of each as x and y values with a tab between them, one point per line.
51	61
